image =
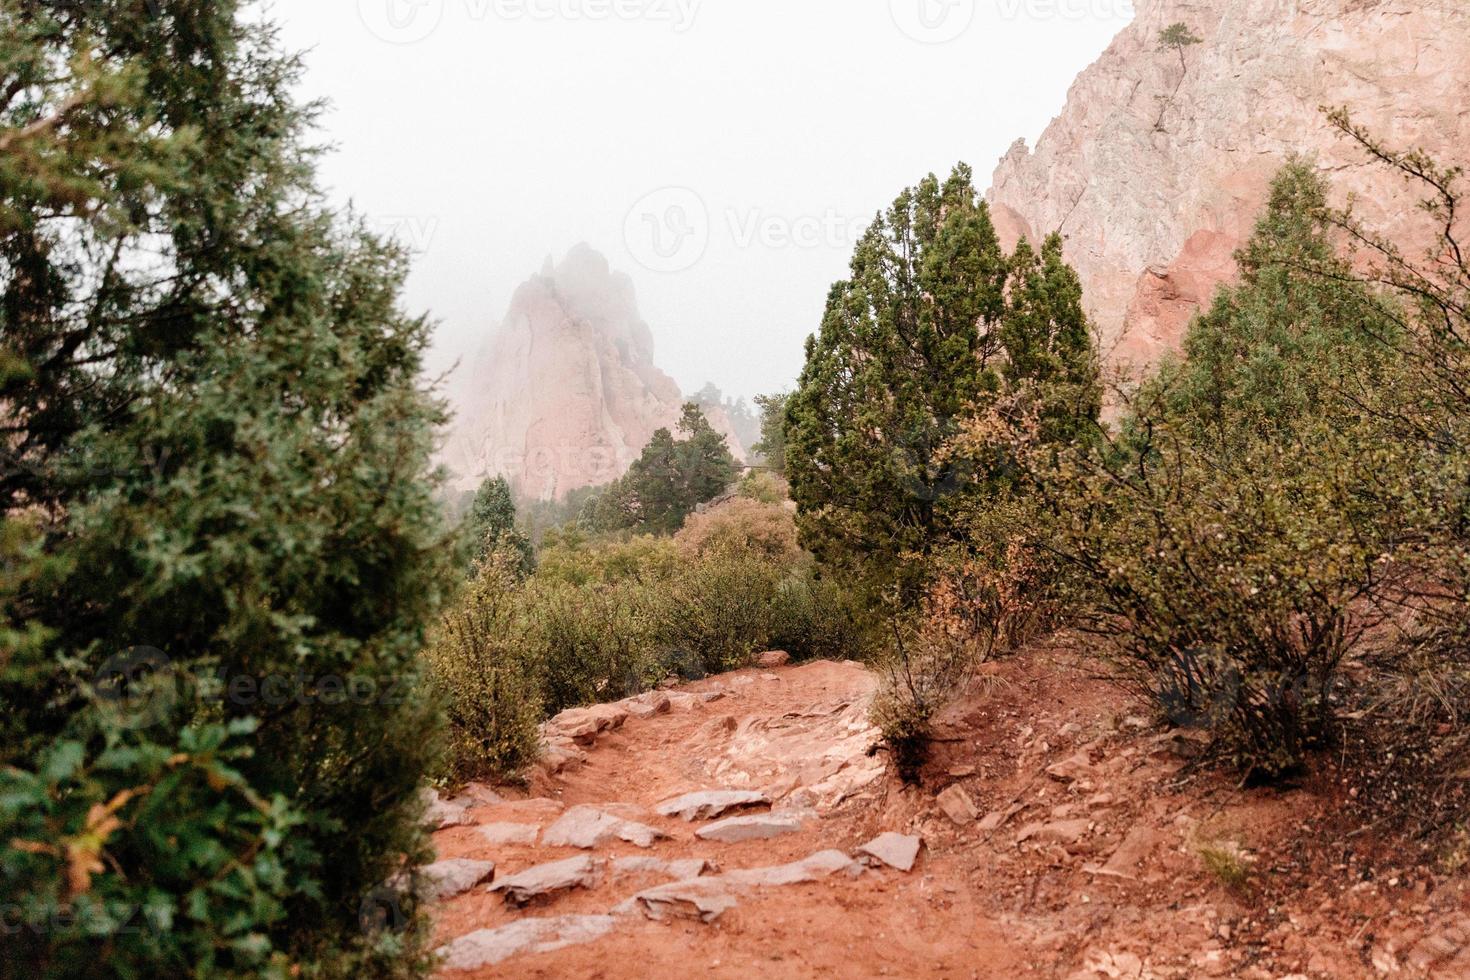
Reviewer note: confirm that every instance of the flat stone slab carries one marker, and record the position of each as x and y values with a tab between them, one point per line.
588	827
548	879
509	833
735	830
681	870
446	879
711	803
821	865
895	850
490	946
706	899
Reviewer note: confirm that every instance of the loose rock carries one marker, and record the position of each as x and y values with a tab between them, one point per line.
1057	832
440	813
895	850
957	805
773	658
708	804
490	946
588	827
734	830
548	879
446	879
509	833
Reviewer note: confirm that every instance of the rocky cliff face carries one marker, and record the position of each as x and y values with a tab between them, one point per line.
565	394
1155	172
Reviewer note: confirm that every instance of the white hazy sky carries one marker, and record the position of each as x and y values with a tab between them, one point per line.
724	153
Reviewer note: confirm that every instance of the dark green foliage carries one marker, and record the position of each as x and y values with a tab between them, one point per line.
934	324
490	526
666	482
1255	363
485	673
1177	37
217	477
1238	540
772	446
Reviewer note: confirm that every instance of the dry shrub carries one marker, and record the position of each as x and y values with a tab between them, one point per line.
744	525
932	658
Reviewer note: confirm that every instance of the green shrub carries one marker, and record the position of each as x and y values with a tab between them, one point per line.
820	618
1232	585
485	672
717	612
572	557
594	643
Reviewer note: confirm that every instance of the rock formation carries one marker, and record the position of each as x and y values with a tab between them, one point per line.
565	394
1155	172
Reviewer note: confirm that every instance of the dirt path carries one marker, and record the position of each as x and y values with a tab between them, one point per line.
1061	837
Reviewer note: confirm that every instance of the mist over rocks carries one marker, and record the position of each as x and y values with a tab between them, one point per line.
1156	172
565	393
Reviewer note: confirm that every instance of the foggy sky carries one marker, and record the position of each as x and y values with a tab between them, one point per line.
723	153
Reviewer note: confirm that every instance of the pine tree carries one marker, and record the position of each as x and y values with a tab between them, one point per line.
221	542
1048	340
667	481
490	526
772	446
933	324
1177	37
1297	316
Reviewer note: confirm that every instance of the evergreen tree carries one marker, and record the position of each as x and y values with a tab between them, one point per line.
219	534
706	468
933	323
1048	341
772	446
1297	316
667	481
907	345
490	525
